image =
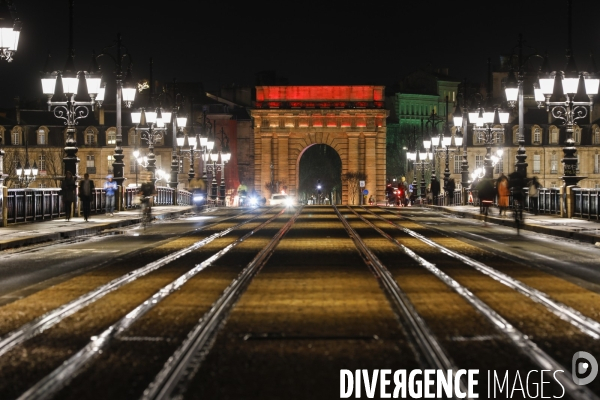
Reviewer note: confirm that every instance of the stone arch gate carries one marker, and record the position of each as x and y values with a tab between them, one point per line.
350	119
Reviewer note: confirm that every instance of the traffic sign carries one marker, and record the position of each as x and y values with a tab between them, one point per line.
365	192
362	184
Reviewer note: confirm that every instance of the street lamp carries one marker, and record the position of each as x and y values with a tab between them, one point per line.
442	148
431	139
150	123
224	155
28	174
125	93
489	129
460	122
10	30
514	95
191	145
70	110
569	103
421	163
179	120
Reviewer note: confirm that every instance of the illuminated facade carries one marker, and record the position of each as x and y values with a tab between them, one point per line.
290	119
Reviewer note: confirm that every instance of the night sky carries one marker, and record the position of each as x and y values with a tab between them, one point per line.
219	43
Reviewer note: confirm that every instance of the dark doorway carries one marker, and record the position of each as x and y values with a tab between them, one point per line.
320	165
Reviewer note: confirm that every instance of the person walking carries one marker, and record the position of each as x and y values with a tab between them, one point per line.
503	189
435	189
485	189
450	186
68	187
534	193
516	182
86	191
110	188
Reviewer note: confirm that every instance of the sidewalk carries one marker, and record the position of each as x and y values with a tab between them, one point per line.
28	233
572	228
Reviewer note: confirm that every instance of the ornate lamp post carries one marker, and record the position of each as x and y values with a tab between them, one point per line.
151	129
198	145
421	163
28	174
125	93
514	95
10	30
489	129
179	120
460	122
569	104
224	155
441	146
150	124
432	138
70	110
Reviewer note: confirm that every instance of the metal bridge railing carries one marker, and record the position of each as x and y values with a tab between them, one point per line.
29	205
587	203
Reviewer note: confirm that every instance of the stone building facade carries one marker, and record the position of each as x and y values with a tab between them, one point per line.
290	119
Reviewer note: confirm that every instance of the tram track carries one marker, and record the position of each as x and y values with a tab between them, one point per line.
46	321
521	341
216	330
57	379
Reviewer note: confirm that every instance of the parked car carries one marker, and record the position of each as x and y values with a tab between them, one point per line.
281	199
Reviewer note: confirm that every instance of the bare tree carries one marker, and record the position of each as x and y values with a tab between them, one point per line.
53	166
11	158
353	179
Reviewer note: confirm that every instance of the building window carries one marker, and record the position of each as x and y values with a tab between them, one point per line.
596	135
479	138
516	134
499	167
16	138
478	161
42	163
578	162
577	134
537	163
41	136
111	136
553	135
597	163
90	137
90	164
111	160
554	164
537	135
457	164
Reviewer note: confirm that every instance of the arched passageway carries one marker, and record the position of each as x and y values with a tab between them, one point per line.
319	175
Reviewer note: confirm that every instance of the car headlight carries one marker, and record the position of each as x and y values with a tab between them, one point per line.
253	201
289	202
198	198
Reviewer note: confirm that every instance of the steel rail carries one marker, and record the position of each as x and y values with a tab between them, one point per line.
561	310
52	383
183	365
432	353
51	318
520	340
